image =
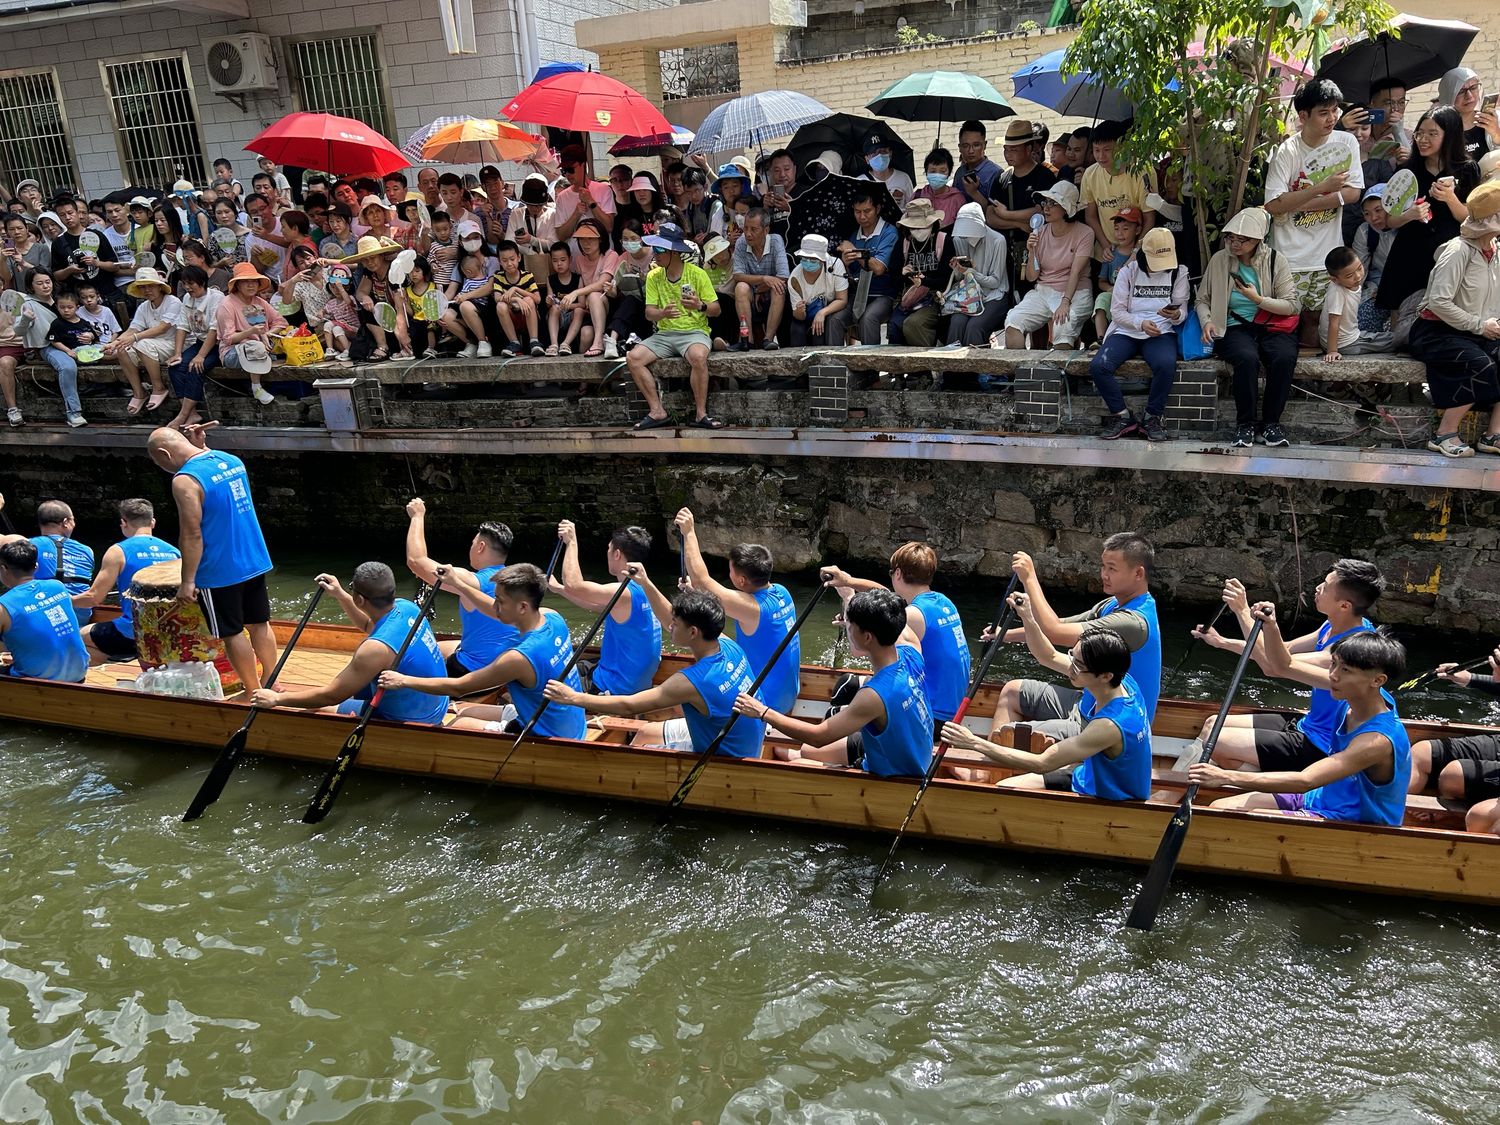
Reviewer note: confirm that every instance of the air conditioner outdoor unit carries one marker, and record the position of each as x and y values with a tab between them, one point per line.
238	64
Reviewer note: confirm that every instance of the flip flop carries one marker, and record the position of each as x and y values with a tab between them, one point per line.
650	423
133	407
593	353
707	422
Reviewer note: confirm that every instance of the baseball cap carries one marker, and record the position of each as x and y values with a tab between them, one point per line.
1160	249
1128	215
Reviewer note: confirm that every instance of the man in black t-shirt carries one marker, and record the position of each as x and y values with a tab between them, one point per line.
1011	206
79	250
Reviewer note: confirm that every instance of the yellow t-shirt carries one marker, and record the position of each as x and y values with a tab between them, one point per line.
1112	193
661	292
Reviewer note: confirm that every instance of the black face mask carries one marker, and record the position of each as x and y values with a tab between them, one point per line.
816	173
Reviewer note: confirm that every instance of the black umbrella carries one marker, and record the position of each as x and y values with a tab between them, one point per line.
1425	51
827	208
845	133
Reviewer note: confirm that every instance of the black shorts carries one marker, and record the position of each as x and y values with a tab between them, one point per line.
854	747
586	669
454	668
1281	746
1478	756
107	638
230	608
1059	781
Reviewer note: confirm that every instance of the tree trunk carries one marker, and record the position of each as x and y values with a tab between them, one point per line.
1252	128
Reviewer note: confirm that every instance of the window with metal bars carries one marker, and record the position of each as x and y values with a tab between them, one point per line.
341	75
156	120
34	133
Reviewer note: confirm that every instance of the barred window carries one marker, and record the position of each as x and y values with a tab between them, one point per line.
341	75
33	132
156	120
700	72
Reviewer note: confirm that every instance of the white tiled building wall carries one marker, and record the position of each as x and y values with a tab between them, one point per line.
423	80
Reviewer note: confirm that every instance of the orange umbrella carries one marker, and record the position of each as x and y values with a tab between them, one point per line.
480	142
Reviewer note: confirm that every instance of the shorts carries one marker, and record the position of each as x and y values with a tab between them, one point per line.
12	353
454	668
230	608
1038	307
854	749
1311	287
668	345
586	669
1478	756
1292	803
509	722
675	736
157	348
1103	301
1281	746
1059	781
1051	710
107	638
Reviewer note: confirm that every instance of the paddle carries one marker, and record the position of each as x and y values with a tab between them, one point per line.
578	651
556	554
1154	887
1172	675
963	709
1427	677
229	757
333	780
693	774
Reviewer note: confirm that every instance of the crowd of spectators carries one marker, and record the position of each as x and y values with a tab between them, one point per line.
1066	245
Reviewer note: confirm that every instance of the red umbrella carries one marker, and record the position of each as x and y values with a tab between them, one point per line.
589	103
340	145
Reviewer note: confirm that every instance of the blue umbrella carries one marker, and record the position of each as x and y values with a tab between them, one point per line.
756	118
548	69
1080	95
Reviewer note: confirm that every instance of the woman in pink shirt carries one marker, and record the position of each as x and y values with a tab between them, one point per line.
595	268
937	170
245	317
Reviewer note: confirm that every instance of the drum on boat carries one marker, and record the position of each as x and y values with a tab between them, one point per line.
167	630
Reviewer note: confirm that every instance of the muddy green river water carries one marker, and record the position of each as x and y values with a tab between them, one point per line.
536	959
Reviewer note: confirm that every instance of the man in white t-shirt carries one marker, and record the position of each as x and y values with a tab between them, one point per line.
1312	175
582	198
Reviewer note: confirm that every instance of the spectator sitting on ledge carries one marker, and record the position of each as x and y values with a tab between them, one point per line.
680	299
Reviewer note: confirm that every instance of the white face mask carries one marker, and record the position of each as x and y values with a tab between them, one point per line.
473	243
920	235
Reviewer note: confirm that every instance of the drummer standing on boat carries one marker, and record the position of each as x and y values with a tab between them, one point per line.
371	604
224	556
37	624
140	548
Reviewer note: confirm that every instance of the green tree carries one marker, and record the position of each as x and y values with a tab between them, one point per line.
1223	110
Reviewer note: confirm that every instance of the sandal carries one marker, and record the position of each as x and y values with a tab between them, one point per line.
595	352
1489	443
379	355
563	349
551	349
707	422
650	423
133	407
1449	445
156	399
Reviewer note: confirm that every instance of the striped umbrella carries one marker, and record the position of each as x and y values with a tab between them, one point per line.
755	118
414	143
481	142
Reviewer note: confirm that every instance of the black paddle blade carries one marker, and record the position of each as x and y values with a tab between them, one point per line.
218	777
328	792
1154	889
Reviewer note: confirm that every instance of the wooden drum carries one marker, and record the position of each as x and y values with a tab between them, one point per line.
167	630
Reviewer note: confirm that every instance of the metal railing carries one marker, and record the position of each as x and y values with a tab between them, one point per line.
155	115
342	75
700	72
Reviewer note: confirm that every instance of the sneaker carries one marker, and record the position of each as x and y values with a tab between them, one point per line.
1274	436
771	344
1154	430
471	349
263	396
484	351
13	416
536	347
1117	426
611	348
430	353
511	350
75	420
1244	437
342	356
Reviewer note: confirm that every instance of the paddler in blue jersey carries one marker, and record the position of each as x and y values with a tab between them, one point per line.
886	729
542	651
371	604
37	624
705	690
1110	756
1365	774
482	637
61	556
224	556
630	651
762	611
137	549
934	621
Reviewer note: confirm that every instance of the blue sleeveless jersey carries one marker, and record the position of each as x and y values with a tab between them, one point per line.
233	547
140	552
1127	776
777	615
484	638
423	659
77	572
548	649
1145	662
630	653
1357	798
1324	713
904	747
43	635
719	679
945	652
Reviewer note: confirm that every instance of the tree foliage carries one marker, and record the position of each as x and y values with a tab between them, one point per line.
1223	111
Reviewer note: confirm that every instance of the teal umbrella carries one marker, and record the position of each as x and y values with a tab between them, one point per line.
942	95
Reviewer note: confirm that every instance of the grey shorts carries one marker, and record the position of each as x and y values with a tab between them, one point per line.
1050	709
668	345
